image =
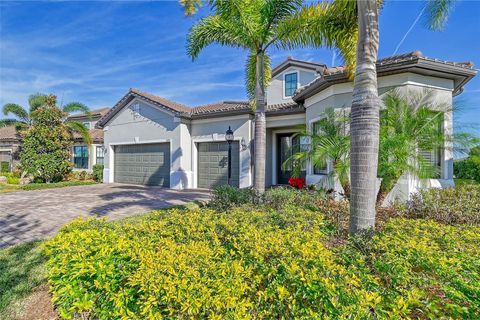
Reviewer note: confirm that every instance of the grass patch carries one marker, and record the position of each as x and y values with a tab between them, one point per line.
41	186
462	182
9	187
22	269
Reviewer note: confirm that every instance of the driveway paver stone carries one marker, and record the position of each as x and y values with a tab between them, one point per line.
34	215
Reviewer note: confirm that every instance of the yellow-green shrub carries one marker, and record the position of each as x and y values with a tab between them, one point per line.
180	264
428	269
202	264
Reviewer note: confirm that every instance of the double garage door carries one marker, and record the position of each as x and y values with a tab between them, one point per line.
149	164
213	164
145	164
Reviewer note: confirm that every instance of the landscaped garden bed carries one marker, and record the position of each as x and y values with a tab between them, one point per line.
287	257
13	182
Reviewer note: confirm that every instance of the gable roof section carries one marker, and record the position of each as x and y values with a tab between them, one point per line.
291	62
217	109
9	133
97	113
176	108
459	72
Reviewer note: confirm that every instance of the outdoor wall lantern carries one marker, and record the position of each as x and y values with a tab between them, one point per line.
229	138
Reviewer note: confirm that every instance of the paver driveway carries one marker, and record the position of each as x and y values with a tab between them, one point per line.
32	215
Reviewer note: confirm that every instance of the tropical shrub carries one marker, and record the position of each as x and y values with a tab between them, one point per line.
202	264
47	129
46	146
459	205
226	197
12	177
280	198
468	168
426	270
329	141
180	264
4	166
98	172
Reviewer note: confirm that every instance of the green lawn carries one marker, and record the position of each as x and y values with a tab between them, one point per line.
462	182
40	186
22	269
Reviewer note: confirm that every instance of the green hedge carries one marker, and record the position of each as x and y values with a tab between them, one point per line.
468	168
459	205
199	263
4	166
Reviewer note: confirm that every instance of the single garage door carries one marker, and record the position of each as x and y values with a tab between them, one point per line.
146	164
213	164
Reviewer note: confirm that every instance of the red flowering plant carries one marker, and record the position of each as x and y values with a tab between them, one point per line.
298	183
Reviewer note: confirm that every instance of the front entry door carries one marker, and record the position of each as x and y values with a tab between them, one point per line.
286	145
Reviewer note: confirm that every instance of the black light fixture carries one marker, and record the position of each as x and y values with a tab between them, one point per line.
229	138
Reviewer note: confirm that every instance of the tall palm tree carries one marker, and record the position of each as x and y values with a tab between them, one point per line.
365	109
256	26
22	116
329	142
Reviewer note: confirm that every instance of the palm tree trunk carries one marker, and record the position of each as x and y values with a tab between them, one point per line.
365	122
260	127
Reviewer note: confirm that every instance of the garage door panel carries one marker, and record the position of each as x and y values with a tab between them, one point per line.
143	164
213	164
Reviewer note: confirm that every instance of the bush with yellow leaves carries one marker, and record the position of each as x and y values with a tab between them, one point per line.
198	263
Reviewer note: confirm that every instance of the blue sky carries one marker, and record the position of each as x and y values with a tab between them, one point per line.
93	52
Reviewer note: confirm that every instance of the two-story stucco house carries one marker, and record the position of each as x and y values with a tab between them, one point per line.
153	141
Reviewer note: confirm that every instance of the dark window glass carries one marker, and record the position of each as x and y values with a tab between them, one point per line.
290	84
100	155
80	157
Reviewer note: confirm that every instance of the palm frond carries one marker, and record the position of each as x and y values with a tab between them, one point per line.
36	101
16	110
332	25
9	122
215	29
251	73
437	13
190	6
76	107
79	128
327	143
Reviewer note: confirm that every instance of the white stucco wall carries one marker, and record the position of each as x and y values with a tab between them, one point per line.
340	96
276	91
150	125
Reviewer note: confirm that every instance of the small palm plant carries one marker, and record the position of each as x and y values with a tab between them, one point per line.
329	142
411	131
22	117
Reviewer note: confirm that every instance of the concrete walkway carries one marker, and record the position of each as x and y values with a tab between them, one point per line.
33	215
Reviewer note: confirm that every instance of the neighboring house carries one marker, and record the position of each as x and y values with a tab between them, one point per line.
153	141
10	142
83	156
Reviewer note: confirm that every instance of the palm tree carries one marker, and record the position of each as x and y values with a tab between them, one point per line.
256	26
365	109
409	129
329	142
22	116
411	137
